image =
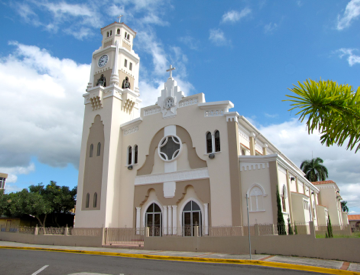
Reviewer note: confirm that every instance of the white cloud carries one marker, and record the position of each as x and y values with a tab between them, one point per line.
80	20
42	108
271	115
17	170
28	14
189	41
352	11
153	19
234	16
270	28
152	80
292	139
351	57
217	37
148	42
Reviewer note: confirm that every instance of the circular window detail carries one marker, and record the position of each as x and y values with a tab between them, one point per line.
169	148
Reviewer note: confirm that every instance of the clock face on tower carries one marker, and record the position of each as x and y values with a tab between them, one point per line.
103	60
169	102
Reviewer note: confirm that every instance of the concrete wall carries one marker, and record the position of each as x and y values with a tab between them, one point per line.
88	241
297	245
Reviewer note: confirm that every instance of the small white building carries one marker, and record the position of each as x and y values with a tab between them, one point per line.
182	162
3	178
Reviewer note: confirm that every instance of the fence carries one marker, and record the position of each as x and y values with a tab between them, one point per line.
228	231
126	237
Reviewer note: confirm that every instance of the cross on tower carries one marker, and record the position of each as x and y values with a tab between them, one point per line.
170	70
120	17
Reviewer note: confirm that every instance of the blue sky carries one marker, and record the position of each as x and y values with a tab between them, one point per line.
249	52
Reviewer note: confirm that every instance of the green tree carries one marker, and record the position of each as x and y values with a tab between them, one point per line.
60	198
280	218
344	206
329	233
331	108
39	201
290	228
28	203
314	170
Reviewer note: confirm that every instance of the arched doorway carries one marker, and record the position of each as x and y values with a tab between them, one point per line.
153	219
191	217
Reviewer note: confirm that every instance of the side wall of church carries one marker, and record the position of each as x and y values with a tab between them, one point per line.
260	211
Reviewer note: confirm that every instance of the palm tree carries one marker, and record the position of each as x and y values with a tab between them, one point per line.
314	170
344	206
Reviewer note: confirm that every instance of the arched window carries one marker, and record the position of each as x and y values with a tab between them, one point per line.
256	199
107	34
153	220
125	34
208	143
191	217
129	155
91	150
118	31
87	200
128	37
98	149
110	33
136	154
95	200
217	141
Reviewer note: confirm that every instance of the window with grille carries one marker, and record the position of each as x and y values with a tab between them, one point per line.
169	148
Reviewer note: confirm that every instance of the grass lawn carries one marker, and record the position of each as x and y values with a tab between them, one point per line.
353	235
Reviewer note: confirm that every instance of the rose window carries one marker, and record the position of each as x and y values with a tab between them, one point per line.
169	148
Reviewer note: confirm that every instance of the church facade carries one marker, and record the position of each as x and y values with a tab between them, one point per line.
182	162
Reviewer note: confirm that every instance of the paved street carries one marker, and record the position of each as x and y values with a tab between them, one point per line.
53	263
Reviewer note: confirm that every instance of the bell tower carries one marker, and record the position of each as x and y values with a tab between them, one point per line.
111	99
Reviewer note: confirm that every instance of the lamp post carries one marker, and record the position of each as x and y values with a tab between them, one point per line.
247	207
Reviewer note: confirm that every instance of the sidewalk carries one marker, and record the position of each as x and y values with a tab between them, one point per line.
298	263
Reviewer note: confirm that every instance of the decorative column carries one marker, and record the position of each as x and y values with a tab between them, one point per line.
174	208
252	144
265	149
289	196
138	209
165	225
213	143
132	155
114	79
91	79
170	231
206	218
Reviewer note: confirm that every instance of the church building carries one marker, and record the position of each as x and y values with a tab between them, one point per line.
179	163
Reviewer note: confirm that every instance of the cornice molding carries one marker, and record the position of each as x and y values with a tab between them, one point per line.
194	174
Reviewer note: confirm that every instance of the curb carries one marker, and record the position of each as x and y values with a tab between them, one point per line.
195	259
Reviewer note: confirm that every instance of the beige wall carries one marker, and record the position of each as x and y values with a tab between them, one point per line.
250	178
235	178
126	46
321	218
328	199
220	190
295	245
86	241
298	208
94	165
201	187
